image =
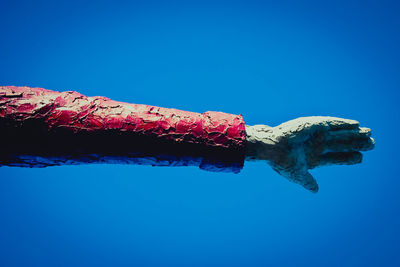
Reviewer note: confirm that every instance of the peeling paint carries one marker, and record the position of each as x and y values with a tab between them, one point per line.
76	113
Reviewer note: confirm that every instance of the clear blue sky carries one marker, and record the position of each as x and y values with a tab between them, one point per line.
270	61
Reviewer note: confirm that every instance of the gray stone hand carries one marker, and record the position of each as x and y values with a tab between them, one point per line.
294	147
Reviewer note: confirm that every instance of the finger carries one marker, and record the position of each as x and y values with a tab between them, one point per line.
344	134
341	124
349	143
318	123
331	123
349	140
341	158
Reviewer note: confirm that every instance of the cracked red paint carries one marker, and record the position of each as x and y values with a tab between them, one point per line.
75	112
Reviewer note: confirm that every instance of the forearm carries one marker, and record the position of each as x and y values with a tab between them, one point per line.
66	123
75	112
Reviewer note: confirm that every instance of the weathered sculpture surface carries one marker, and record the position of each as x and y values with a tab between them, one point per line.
41	128
296	146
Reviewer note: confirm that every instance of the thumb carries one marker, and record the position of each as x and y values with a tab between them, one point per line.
307	181
304	178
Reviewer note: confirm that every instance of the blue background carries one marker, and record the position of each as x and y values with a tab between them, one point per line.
271	62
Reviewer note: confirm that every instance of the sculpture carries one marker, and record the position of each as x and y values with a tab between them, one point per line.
41	128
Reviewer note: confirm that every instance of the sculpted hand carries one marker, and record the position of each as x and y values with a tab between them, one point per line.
296	146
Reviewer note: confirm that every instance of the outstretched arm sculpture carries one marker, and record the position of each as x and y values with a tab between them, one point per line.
42	128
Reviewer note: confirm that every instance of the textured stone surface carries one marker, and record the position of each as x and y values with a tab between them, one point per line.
296	146
41	113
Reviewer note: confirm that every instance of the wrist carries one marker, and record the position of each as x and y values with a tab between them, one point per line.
261	142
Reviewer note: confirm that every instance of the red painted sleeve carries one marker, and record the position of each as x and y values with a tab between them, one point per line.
75	114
